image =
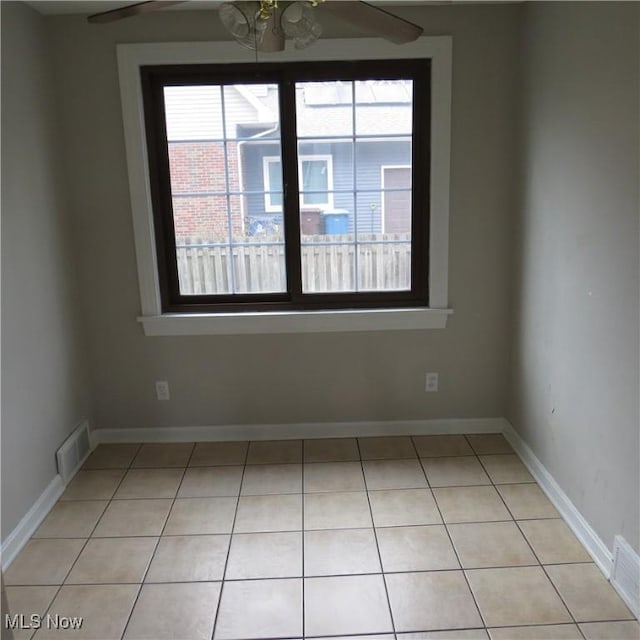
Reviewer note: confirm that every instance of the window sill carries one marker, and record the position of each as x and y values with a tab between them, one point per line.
183	324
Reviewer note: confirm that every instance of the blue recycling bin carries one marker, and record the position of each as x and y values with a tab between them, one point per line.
336	222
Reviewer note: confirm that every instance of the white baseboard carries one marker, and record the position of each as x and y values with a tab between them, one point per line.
12	546
299	430
625	574
580	527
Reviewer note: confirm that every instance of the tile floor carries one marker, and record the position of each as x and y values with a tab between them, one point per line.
427	537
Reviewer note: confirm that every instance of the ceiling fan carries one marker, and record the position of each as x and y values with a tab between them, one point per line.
264	25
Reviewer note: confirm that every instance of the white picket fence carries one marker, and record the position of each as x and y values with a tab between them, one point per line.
328	264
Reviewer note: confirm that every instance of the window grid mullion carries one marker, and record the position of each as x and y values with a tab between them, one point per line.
355	188
291	199
232	268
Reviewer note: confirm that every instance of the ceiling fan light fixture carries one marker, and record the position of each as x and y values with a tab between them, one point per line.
299	23
235	18
245	22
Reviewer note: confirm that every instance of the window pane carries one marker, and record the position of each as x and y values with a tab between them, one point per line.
227	199
314	181
324	108
384	107
328	249
384	239
356	209
251	111
384	266
373	157
273	186
201	228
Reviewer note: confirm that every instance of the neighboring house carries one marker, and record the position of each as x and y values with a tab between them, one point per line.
226	171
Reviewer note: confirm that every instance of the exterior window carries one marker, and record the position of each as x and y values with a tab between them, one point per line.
290	186
315	177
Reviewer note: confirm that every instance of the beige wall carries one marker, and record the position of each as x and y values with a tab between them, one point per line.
290	378
571	387
574	397
44	386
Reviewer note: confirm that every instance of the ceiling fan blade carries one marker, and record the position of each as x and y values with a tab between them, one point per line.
132	10
385	24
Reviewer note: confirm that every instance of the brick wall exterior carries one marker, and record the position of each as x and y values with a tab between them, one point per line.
197	169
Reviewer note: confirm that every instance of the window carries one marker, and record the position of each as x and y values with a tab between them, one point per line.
155	319
272	184
316	182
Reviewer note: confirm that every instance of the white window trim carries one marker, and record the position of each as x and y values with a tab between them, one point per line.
132	56
272	208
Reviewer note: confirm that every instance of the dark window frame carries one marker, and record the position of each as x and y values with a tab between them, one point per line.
154	78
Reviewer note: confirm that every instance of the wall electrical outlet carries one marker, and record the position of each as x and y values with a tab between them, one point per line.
431	382
162	390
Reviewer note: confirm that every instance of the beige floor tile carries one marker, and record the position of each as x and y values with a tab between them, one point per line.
193	516
488	443
470	504
265	555
111	456
171	611
189	559
459	634
275	452
527	501
27	601
450	604
425	548
403	507
340	552
43	562
331	450
269	513
506	469
436	446
104	610
265	479
211	482
333	476
490	544
546	632
388	448
149	483
587	593
112	561
161	455
629	630
553	541
394	474
212	454
255	609
336	511
516	596
124	518
346	605
71	519
454	472
93	485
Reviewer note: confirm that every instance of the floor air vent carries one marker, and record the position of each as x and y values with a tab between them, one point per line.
625	575
73	452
